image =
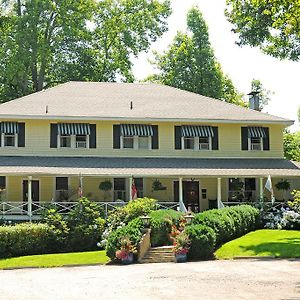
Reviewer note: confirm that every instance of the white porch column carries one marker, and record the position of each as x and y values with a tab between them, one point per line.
261	189
181	203
219	193
29	197
130	188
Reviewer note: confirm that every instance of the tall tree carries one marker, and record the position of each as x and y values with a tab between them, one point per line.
291	145
44	42
189	63
272	25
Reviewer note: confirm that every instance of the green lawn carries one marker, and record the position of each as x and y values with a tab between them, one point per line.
265	242
55	260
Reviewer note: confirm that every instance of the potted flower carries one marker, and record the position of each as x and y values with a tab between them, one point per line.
181	247
126	251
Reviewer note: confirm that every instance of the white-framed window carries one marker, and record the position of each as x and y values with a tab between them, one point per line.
9	140
81	141
242	189
136	142
255	144
73	141
65	141
196	143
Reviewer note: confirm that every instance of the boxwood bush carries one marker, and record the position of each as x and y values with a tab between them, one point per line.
133	230
161	223
230	222
26	239
203	239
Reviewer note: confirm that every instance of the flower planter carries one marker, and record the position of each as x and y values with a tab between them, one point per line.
181	257
128	260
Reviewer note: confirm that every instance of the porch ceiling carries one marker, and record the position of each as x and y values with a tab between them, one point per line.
147	167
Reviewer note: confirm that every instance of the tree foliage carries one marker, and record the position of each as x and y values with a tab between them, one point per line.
264	94
189	63
44	42
291	144
272	25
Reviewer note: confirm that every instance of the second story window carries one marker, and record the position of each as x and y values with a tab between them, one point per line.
73	135
12	134
136	136
255	138
196	137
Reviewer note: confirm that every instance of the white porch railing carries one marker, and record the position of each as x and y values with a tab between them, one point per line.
22	208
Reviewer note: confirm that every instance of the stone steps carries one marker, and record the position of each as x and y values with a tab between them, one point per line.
159	255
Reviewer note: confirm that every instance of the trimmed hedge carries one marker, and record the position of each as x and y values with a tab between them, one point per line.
203	239
229	223
26	239
161	224
133	230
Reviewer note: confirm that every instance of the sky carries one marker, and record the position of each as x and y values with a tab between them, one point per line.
242	64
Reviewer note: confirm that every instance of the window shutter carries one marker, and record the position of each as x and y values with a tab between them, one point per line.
215	139
116	136
155	137
244	138
53	136
177	130
266	140
93	136
21	134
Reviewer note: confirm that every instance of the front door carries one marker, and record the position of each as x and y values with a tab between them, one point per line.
35	192
190	194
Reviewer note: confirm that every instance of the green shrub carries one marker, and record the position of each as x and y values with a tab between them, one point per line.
132	231
134	208
222	225
161	223
86	226
60	228
26	239
230	222
203	239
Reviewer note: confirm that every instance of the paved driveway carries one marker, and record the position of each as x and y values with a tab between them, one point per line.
239	279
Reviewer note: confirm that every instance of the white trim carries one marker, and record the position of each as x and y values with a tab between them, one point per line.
72	142
135	142
184	120
250	145
196	144
9	147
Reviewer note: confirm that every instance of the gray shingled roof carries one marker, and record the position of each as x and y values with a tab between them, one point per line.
151	167
94	100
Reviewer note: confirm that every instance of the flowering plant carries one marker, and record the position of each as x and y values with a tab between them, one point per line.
288	216
125	249
181	240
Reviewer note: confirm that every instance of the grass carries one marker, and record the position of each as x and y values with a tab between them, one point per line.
260	243
55	260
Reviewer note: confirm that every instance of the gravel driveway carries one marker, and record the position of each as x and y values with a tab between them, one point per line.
237	279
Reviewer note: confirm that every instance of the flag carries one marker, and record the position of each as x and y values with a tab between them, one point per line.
133	191
269	187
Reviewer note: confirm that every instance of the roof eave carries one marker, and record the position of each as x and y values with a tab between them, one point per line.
285	122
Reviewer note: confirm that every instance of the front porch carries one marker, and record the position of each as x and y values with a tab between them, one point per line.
38	193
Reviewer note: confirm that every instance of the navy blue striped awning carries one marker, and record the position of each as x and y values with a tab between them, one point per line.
195	130
74	129
136	129
256	132
9	127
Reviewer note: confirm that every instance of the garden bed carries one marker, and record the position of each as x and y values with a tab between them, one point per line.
263	243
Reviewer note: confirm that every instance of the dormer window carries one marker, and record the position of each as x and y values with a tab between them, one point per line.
136	136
